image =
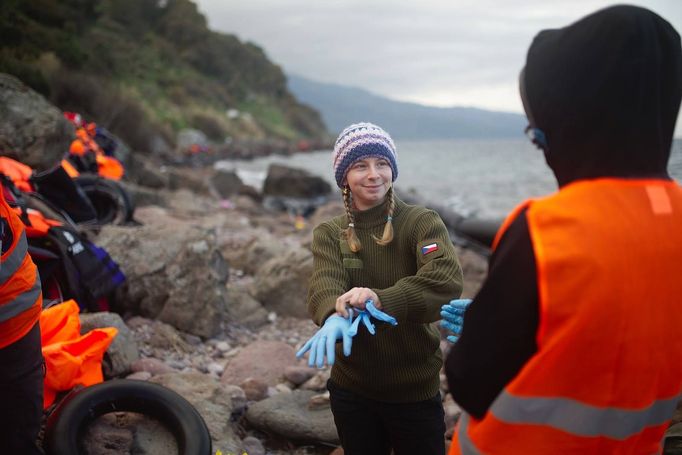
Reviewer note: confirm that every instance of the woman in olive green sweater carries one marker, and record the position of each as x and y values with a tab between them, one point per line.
386	394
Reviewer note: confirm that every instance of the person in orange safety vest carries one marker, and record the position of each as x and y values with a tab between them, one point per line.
21	361
573	345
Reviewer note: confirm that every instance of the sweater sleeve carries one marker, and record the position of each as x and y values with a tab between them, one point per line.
498	335
418	298
329	279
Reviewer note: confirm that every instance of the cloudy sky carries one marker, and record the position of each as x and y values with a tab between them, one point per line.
434	52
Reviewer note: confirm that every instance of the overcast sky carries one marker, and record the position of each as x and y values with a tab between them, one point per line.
434	52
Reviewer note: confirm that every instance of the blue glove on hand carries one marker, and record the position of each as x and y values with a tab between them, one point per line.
334	328
360	316
453	317
365	316
378	314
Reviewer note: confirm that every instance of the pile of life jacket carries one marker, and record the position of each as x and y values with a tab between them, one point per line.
69	264
91	151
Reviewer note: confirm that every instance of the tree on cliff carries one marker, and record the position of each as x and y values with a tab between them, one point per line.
148	68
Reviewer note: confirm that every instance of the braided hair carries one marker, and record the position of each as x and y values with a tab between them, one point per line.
349	233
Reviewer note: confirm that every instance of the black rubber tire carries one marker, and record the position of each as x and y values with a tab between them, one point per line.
67	424
111	201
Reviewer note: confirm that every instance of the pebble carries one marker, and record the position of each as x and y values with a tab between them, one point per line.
223	346
215	368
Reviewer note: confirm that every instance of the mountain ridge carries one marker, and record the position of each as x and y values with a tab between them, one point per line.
342	105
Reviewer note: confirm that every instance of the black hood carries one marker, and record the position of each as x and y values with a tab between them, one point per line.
606	91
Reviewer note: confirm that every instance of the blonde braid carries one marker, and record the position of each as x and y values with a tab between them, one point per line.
349	233
387	236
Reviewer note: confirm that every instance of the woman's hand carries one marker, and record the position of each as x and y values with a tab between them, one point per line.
356	298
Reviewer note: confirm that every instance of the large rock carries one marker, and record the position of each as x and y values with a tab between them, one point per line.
264	360
226	183
123	351
32	130
244	309
281	284
290	415
298	183
146	172
174	272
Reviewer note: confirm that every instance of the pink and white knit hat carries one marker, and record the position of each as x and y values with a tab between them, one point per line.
358	141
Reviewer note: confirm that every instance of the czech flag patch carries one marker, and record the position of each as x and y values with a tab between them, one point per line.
429	248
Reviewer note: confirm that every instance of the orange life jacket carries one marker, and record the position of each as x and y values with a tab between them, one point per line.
109	167
18	172
20	291
70	358
607	374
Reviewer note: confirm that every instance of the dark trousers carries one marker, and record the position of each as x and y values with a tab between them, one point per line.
368	427
21	394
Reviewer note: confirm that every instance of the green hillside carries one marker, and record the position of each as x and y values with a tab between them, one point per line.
148	68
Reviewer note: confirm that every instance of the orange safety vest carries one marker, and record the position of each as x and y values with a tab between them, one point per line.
20	291
607	375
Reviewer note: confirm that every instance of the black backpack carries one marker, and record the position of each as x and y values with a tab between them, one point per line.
82	270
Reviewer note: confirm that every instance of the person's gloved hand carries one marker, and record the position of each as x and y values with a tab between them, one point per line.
365	316
334	328
453	317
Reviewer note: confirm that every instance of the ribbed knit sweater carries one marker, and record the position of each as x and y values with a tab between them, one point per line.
413	279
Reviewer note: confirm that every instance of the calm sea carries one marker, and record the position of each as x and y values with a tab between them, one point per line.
484	178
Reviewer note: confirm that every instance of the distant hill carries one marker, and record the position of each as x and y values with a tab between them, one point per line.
341	105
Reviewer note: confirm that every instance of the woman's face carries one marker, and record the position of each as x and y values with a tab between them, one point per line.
369	180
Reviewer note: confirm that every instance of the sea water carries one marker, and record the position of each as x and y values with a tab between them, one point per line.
482	178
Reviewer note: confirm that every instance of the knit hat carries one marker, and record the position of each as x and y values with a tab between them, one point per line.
358	141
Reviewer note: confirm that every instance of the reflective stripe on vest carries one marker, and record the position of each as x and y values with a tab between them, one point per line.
465	445
22	302
13	261
582	419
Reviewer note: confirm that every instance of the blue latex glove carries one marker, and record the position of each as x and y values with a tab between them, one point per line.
335	327
365	316
453	317
378	314
361	316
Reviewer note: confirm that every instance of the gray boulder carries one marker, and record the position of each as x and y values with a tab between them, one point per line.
244	309
290	415
264	360
123	351
226	183
281	284
292	182
32	130
174	272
